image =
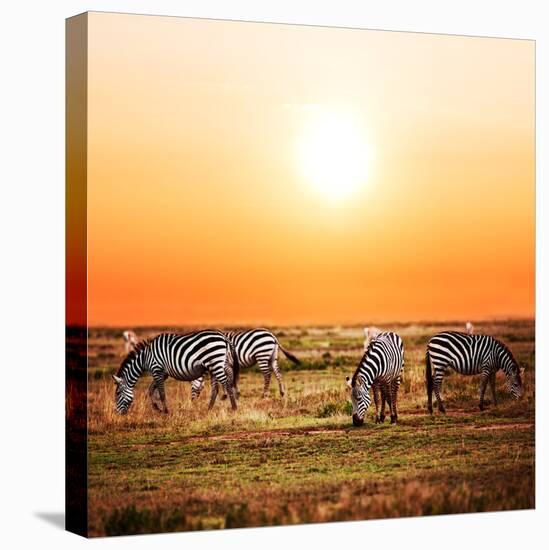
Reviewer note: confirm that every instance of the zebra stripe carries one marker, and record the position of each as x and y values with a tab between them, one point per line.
381	369
183	357
255	346
469	354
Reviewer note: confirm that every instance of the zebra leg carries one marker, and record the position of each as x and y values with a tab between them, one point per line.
235	389
265	368
196	388
152	390
230	388
224	395
483	383
493	387
162	394
214	390
389	398
276	370
383	401
375	390
394	392
437	386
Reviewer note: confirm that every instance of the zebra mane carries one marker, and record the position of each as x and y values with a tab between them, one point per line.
138	348
355	375
510	353
353	379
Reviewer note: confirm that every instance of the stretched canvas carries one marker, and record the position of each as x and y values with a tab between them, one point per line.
299	276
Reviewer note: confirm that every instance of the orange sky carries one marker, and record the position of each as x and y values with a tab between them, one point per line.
199	210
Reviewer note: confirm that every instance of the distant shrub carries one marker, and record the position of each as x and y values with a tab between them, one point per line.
512	337
132	521
332	408
327	410
237	516
347	408
208	524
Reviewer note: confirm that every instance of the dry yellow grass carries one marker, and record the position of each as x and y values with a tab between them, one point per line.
298	458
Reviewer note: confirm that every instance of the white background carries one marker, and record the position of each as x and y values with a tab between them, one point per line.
32	270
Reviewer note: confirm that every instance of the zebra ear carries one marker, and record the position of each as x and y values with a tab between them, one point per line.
117	379
348	381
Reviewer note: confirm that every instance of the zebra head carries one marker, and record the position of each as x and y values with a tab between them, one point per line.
360	398
123	395
512	371
514	382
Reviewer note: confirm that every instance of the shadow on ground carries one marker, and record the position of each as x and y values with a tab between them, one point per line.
57	519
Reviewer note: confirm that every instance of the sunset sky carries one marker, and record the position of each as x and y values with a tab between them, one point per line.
274	174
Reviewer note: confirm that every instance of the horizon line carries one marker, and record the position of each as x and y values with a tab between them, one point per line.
497	319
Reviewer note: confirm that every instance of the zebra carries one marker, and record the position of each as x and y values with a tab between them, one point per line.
469	354
254	346
130	340
369	334
381	369
181	356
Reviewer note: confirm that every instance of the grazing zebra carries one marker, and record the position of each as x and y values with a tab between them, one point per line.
469	327
183	357
255	346
469	354
369	334
130	340
381	369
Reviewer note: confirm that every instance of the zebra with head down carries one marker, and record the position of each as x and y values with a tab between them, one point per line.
181	356
380	369
259	347
469	354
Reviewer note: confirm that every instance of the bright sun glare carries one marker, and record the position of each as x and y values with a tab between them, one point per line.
334	154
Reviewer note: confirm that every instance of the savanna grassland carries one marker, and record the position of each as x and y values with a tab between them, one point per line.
297	458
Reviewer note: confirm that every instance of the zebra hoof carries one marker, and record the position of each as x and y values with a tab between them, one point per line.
393	419
381	419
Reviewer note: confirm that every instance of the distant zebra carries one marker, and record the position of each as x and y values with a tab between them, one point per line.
369	334
181	356
469	354
469	327
380	369
130	340
255	346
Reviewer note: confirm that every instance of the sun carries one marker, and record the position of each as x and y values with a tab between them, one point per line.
334	154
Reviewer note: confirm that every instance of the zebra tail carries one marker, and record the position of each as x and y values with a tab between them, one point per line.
290	356
429	380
